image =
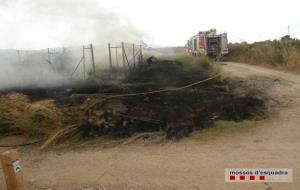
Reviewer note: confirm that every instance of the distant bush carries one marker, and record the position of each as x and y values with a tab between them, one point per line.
283	53
277	58
189	62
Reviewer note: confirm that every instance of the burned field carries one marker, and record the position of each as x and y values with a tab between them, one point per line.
174	97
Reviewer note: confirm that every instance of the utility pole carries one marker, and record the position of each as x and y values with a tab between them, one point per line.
288	30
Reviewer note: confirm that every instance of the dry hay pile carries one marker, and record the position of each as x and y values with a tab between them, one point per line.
19	116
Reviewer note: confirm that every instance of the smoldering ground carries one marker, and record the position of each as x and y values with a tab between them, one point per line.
33	24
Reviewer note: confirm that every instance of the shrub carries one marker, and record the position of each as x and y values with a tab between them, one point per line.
285	51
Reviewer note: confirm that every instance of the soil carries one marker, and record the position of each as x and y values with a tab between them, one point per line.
192	163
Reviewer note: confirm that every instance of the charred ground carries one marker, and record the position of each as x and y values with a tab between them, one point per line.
120	109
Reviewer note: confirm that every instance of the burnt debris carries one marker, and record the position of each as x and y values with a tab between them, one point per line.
112	109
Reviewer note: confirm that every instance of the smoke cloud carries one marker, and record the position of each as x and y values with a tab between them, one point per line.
37	25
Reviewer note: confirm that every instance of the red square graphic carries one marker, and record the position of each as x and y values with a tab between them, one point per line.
261	177
242	177
252	177
232	177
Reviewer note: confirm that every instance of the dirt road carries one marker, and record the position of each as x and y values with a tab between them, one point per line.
190	163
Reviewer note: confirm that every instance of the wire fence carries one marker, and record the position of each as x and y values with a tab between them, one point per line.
70	62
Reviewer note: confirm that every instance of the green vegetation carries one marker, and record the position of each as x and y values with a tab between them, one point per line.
223	126
189	62
283	53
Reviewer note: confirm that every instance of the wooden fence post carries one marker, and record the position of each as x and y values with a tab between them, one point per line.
109	55
93	59
12	171
123	53
133	54
83	61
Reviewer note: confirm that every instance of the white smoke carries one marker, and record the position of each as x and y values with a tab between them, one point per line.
36	24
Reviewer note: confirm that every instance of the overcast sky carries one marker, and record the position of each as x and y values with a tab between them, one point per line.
34	24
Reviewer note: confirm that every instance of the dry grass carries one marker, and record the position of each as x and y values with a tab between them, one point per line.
19	116
282	54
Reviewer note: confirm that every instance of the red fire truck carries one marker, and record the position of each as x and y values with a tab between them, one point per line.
208	43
